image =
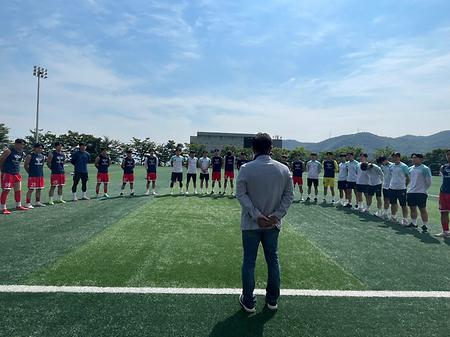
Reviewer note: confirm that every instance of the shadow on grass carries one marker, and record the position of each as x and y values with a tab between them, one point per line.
402	230
243	324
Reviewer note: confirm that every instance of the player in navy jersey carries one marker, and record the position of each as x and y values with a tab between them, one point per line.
55	162
298	167
10	167
80	160
229	172
330	168
216	163
34	165
128	164
444	198
102	163
151	164
241	161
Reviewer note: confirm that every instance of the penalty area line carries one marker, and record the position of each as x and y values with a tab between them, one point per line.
220	291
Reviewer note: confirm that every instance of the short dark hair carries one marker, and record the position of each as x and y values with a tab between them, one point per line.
81	144
216	150
102	149
342	155
229	153
58	144
418	155
329	153
36	145
242	153
262	143
20	141
396	154
350	154
381	159
448	151
129	151
191	151
364	166
365	155
313	154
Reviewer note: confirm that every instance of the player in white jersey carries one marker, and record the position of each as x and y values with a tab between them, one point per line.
418	191
386	165
192	162
400	178
342	180
375	185
204	164
177	170
313	167
362	184
352	175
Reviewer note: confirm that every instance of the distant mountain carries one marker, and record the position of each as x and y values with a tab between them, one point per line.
370	142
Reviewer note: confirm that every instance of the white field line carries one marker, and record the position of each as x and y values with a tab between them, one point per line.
221	291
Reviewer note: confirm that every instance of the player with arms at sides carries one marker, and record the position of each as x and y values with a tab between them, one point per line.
297	168
444	198
229	172
330	168
241	160
400	178
80	160
342	180
217	163
128	165
151	164
352	176
177	170
34	165
192	163
418	191
102	163
362	184
55	162
313	167
10	177
386	165
204	163
375	174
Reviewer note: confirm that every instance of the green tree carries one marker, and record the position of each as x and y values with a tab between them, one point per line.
385	151
435	159
197	148
4	131
142	146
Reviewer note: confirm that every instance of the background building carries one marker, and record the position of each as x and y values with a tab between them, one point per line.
218	140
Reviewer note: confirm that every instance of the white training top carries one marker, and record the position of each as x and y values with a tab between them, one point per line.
343	172
387	175
420	179
192	165
352	167
314	167
399	172
362	177
204	164
177	162
375	175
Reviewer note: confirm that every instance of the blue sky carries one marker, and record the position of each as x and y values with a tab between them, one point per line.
166	69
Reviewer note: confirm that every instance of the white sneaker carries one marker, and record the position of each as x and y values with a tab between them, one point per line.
147	193
85	197
171	193
195	192
51	202
29	206
154	193
272	306
39	204
403	222
443	235
187	193
106	195
61	201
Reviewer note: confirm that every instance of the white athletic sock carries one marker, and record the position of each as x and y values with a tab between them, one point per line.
50	199
60	197
18	204
414	221
132	190
3	206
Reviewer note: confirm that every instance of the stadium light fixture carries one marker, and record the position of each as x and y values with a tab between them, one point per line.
38	72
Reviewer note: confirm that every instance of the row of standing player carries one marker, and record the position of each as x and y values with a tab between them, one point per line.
34	164
392	183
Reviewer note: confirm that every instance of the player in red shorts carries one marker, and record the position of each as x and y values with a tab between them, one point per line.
217	163
298	167
151	163
102	163
128	165
34	165
55	162
10	177
229	172
444	198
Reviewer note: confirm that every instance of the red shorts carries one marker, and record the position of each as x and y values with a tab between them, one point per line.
58	179
444	202
151	176
102	178
297	181
216	176
9	180
128	178
36	183
229	174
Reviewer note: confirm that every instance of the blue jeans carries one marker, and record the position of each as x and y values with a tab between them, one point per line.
250	242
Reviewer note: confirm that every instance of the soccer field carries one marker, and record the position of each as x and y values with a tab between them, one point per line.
179	251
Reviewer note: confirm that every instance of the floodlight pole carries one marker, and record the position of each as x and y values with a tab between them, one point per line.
39	73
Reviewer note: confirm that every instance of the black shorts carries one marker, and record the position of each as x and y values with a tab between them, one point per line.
351	185
362	188
417	200
83	176
386	193
204	176
342	185
375	190
314	182
192	176
397	195
177	177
